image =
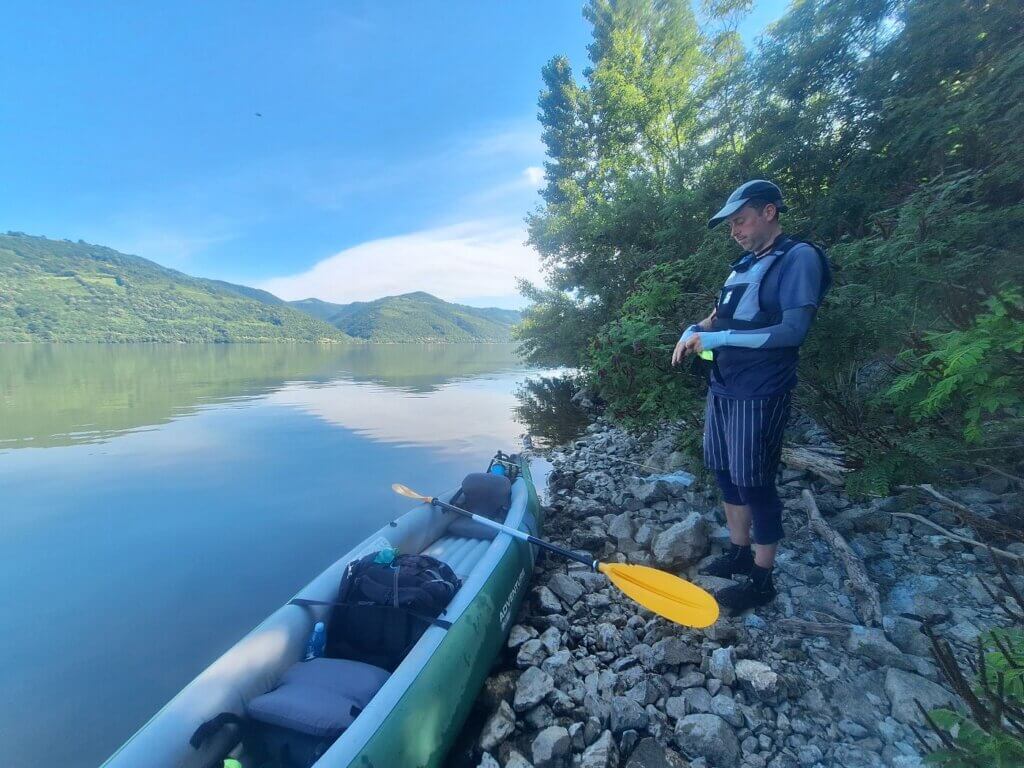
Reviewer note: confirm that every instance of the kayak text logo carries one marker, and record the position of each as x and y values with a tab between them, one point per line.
505	615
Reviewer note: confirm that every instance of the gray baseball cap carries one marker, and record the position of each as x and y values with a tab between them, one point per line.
758	189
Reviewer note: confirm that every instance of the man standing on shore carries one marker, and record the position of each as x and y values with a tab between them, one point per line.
763	313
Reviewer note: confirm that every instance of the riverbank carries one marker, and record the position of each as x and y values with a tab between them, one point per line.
827	675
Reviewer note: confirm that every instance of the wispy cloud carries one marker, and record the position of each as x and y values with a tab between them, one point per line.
452	262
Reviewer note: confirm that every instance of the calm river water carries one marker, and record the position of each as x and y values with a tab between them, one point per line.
156	502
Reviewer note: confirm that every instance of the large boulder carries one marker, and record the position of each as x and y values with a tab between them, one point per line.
602	753
758	675
627	715
710	737
534	684
650	754
566	588
683	544
550	747
498	727
904	688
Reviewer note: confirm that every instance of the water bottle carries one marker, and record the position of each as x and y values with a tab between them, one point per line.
498	469
317	642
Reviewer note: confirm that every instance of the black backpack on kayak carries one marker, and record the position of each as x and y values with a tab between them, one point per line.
382	609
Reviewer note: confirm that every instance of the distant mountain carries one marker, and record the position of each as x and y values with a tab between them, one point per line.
57	290
414	317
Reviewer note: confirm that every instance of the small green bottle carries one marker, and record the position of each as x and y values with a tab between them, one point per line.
707	354
230	762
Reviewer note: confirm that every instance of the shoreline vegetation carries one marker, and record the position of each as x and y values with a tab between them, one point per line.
58	291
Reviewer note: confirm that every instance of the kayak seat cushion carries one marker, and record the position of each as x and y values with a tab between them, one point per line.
484	494
320	697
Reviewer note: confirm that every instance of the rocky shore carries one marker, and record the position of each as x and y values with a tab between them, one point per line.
590	679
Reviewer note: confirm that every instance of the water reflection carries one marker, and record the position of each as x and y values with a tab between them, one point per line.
546	407
53	395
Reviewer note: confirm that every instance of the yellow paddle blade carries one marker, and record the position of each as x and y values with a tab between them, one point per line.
404	490
665	594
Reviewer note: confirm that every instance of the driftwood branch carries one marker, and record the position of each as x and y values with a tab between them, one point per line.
869	606
826	463
956	537
965	513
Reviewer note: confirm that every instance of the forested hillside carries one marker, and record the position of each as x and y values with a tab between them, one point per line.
415	317
56	290
892	127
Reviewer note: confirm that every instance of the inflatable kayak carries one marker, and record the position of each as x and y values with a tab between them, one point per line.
411	715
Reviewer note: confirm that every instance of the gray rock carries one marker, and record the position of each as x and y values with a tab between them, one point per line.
627	714
697	700
621	527
488	761
608	637
673	650
710	737
676	707
650	754
531	654
602	753
903	688
519	634
683	544
551	638
547	602
861	698
758	675
566	588
691	679
598	708
727	709
498	727
861	520
540	717
721	665
550	747
871	643
906	635
559	666
534	684
809	755
922	595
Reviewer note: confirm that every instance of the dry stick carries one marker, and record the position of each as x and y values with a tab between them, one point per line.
955	537
824	464
966	513
868	603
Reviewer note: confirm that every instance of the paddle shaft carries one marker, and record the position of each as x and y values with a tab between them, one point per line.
587	561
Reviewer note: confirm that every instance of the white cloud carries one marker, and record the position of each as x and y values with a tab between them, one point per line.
453	262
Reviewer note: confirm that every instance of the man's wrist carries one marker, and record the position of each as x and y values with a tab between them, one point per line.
695	328
713	339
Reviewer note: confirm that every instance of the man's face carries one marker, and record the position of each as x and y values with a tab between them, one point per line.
751	228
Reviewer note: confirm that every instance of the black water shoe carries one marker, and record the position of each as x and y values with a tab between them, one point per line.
738	560
756	591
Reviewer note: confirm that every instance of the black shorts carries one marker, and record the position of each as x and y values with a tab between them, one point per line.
744	437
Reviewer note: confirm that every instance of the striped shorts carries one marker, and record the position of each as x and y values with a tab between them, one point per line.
745	437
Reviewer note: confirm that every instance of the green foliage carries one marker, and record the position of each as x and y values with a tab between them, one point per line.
56	290
417	317
892	127
970	376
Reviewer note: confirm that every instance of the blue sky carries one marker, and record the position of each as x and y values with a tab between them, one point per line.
397	147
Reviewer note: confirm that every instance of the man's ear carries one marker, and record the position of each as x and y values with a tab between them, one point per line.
770	211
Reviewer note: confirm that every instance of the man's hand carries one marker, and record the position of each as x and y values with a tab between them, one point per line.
684	348
692	345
